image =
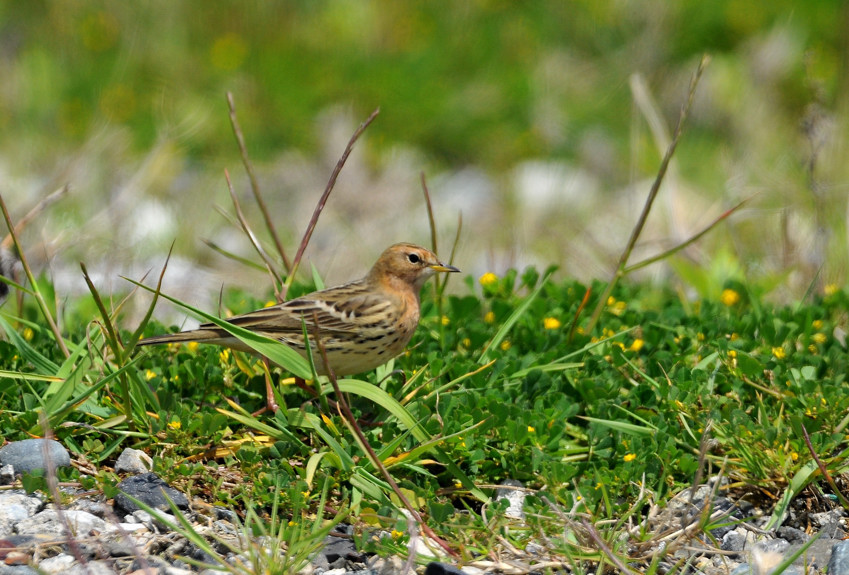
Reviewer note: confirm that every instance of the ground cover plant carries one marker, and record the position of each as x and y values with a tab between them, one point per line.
597	424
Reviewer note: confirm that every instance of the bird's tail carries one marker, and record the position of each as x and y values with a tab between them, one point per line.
198	335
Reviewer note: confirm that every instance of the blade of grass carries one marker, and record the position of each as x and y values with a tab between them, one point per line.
510	322
277	352
45	311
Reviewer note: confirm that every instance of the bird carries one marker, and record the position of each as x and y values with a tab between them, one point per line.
361	324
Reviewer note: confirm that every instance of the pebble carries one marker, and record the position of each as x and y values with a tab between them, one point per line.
133	461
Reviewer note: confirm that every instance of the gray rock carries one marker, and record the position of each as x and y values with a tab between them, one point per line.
839	562
15	506
57	564
48	522
733	541
7	475
28	455
17	570
516	498
90	568
133	461
150	489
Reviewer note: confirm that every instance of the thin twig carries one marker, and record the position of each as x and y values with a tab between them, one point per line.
240	139
252	237
38	297
604	548
687	242
432	223
826	475
323	200
641	222
42	205
346	412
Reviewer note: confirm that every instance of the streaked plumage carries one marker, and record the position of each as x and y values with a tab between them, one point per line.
362	324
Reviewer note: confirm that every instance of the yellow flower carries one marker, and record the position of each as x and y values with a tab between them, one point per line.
637	345
505	345
175	424
224	355
732	353
817	324
831	289
193	346
446	320
819	338
489	317
488	279
729	297
629	457
551	323
778	352
467	343
149	374
531	429
611	300
794	456
28	333
397	534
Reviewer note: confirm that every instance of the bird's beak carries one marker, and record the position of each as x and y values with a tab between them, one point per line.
438	267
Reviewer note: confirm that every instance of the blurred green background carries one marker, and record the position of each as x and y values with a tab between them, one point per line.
524	116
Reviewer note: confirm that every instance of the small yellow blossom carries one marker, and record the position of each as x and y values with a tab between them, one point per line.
269	303
224	355
551	323
732	353
817	324
28	333
629	457
175	424
733	337
611	300
149	374
700	336
467	343
831	289
580	330
819	338
637	345
729	297
489	317
505	345
193	346
794	456
812	349
531	429
397	534
778	352
446	320
488	279
292	523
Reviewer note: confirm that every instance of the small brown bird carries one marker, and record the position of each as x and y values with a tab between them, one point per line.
362	324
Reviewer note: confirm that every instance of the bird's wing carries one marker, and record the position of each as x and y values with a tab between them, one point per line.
349	312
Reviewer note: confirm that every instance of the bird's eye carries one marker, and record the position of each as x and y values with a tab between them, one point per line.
414	258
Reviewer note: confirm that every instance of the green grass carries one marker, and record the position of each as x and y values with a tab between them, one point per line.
599	425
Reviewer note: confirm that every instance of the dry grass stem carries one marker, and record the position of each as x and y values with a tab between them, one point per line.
323	200
269	223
